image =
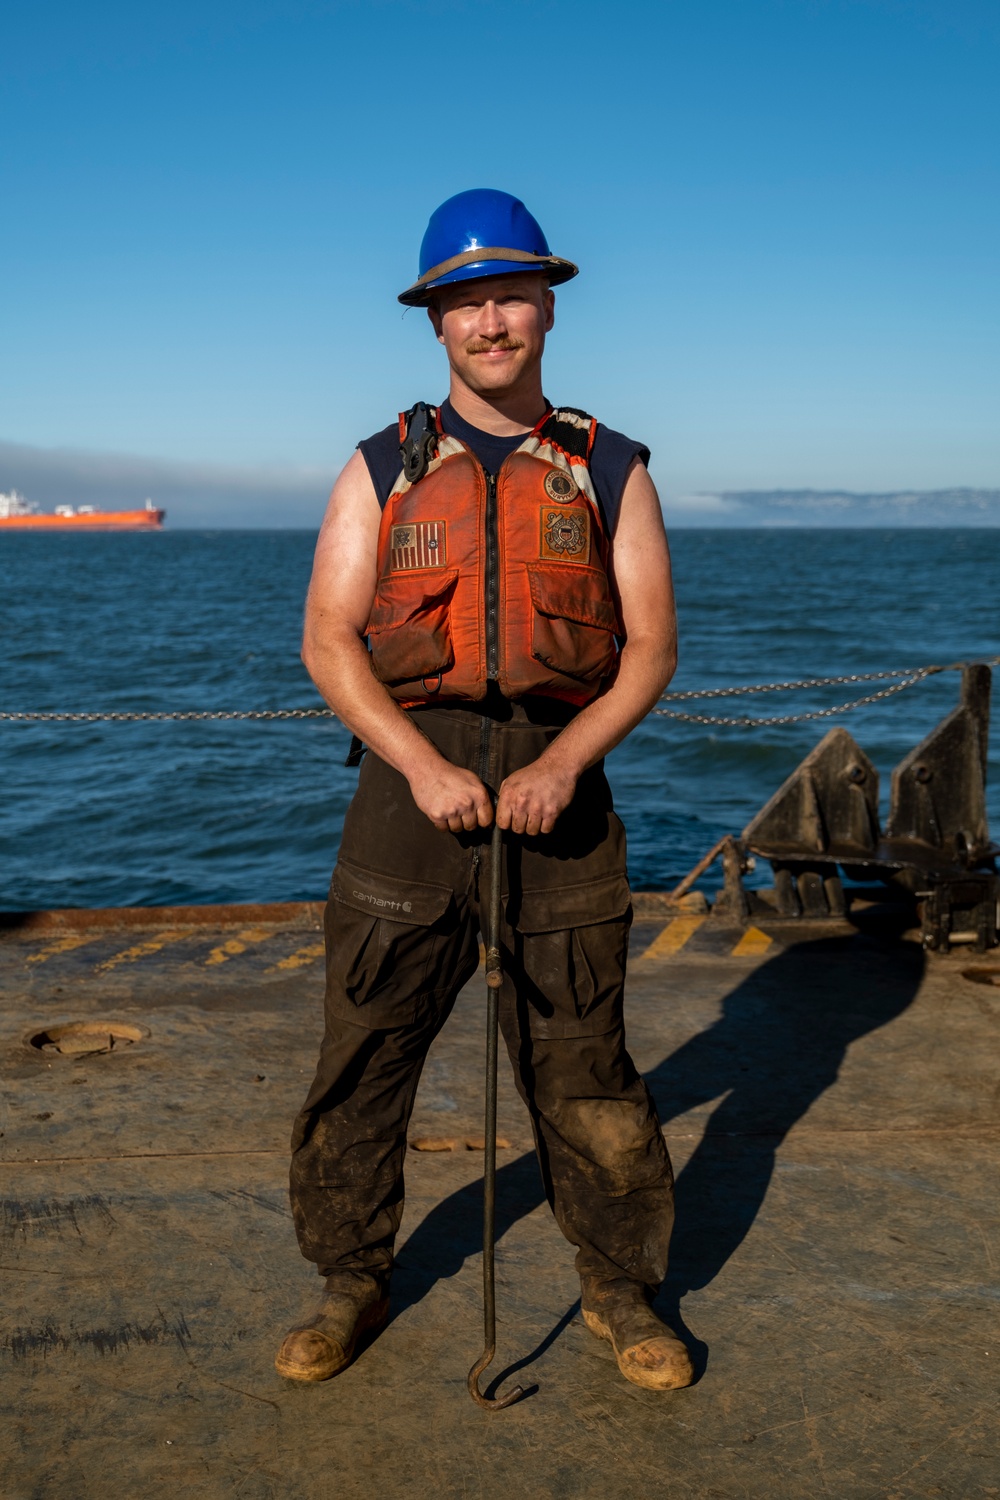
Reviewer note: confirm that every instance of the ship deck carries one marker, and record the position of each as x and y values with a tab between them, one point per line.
829	1099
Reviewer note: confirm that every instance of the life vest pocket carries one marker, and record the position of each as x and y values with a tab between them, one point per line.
574	620
409	632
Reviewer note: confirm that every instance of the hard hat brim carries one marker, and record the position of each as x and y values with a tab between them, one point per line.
554	269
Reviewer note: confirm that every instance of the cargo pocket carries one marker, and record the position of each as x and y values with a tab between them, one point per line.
410	627
551	910
571	945
391	947
574	620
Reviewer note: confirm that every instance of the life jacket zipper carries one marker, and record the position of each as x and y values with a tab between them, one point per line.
492	581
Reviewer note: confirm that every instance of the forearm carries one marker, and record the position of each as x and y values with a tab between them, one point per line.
645	668
533	798
338	662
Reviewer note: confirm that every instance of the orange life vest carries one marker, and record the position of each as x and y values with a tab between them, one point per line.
502	579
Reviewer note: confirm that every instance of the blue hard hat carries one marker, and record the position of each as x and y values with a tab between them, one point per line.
482	233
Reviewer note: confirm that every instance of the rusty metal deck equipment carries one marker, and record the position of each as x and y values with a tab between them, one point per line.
935	848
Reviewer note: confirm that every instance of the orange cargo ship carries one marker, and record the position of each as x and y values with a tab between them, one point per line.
17	512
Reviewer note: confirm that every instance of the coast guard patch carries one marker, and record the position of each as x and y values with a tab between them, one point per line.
559	486
566	535
418	544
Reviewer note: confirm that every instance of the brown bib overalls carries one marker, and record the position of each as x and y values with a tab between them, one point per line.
407	903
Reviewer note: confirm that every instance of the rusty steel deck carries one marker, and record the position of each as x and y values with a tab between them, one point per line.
829	1098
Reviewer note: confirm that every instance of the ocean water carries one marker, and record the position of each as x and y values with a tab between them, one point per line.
116	814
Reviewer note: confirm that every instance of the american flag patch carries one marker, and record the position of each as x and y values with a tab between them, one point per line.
418	544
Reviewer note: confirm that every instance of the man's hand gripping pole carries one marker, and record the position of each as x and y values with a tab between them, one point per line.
494	979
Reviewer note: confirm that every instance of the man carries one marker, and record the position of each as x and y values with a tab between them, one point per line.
507	564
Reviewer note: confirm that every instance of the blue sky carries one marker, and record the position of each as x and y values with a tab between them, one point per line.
786	217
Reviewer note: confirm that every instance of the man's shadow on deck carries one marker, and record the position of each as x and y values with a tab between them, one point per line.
777	1046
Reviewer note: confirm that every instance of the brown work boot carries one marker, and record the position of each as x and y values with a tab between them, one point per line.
353	1305
648	1352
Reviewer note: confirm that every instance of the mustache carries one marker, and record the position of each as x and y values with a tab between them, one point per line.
483	346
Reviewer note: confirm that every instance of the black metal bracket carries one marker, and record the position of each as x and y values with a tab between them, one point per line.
420	443
935	847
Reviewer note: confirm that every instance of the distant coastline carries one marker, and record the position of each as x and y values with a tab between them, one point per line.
837	509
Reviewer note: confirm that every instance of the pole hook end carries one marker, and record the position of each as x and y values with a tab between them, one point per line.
498	1403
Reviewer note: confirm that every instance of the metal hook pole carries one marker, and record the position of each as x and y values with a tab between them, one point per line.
494	979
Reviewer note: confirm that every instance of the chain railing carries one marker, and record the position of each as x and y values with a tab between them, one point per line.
909	677
183	714
899	680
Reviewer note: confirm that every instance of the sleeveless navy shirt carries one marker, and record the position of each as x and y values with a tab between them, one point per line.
610	458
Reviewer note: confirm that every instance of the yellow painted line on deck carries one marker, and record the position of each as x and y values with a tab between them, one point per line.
239	944
140	950
752	942
63	945
673	937
299	958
